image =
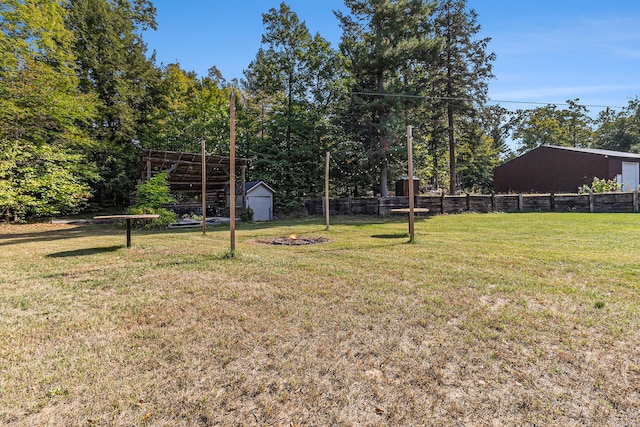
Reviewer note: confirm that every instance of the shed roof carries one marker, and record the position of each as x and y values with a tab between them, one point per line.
253	184
185	169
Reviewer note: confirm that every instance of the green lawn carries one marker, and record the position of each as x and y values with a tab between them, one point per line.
488	319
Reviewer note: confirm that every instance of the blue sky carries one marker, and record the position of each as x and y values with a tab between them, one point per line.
546	51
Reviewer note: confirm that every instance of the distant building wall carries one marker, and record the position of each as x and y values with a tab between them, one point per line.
545	170
550	169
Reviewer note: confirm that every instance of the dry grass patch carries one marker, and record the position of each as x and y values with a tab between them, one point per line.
487	320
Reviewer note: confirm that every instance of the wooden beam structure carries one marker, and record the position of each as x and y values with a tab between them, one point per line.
185	170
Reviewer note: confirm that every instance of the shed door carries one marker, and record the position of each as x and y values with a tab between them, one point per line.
261	207
630	176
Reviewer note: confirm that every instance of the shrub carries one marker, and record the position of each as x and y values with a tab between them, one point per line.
246	215
600	186
166	217
155	192
150	196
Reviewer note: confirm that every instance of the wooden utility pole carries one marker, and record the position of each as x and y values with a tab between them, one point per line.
326	190
411	195
232	171
204	187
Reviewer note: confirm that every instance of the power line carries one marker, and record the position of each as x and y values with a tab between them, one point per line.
452	98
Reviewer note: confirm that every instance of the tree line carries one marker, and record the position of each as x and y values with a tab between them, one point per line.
80	97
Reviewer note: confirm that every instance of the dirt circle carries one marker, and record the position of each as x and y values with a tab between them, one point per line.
297	241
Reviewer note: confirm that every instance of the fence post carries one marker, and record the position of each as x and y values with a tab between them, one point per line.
493	201
520	202
552	202
442	203
591	204
635	200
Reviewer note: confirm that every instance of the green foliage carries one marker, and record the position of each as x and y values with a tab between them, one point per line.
187	109
247	215
155	192
228	254
166	216
600	186
572	126
293	85
387	46
620	131
150	198
43	168
459	75
113	66
548	125
477	158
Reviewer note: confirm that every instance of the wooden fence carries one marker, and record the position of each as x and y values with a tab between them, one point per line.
440	204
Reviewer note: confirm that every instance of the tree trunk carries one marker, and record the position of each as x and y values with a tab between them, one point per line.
289	173
452	141
384	141
436	175
452	152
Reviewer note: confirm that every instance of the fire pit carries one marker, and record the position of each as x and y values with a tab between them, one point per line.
295	240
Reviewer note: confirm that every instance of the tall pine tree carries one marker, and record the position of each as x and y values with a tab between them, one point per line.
459	78
386	43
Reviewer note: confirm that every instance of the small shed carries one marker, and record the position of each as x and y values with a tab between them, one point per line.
260	199
553	169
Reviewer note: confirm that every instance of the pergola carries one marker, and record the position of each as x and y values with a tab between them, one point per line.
185	172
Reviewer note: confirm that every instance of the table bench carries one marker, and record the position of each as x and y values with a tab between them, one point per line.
128	218
406	210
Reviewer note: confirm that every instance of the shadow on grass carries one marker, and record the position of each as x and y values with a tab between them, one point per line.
391	236
83	252
16	238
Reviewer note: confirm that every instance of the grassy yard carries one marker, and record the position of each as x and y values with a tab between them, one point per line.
492	319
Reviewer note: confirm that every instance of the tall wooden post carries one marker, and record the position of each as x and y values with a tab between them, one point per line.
204	187
232	172
411	195
326	190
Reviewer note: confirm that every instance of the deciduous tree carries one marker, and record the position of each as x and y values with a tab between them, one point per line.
620	130
294	82
187	109
43	170
550	125
112	65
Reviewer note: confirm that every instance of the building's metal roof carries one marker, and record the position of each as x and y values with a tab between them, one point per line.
609	153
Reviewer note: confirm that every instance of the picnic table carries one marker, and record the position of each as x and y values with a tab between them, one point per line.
128	218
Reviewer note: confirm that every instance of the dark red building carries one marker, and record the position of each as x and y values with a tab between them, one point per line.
551	169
